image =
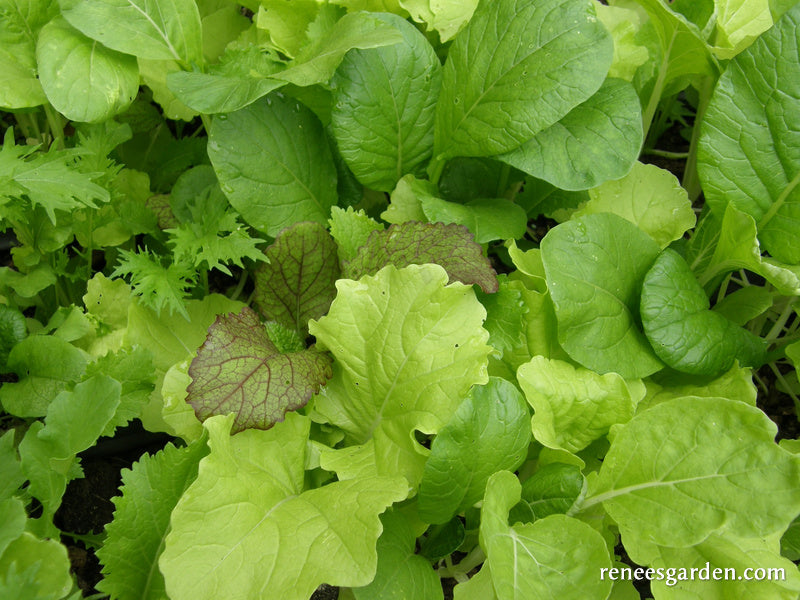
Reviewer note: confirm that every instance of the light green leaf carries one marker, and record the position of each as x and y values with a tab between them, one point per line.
516	69
623	24
572	407
246	525
135	538
595	266
13	518
749	150
738	23
447	17
650	198
556	558
34	568
793	352
596	141
383	107
735	384
690	467
684	333
284	174
176	412
405	202
82	79
166	30
407	347
41	377
477	587
745	304
11	476
401	573
489	432
287	22
154	75
351	229
108	300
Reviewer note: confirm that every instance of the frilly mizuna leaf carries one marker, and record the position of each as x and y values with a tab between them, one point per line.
689	467
247	529
407	348
411	243
239	370
682	329
298	282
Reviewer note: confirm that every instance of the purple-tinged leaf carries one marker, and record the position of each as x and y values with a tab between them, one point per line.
413	243
298	283
239	370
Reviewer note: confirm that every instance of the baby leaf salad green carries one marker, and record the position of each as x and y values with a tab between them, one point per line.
407	290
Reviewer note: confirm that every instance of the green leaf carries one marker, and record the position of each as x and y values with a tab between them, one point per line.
748	152
477	587
572	406
738	24
12	511
736	384
489	432
745	304
447	17
284	174
551	490
505	314
11	476
154	75
411	243
649	197
135	538
287	22
13	330
351	229
297	283
595	266
684	333
556	558
383	107
239	370
690	467
177	414
20	22
247	513
442	540
165	30
41	377
596	141
488	219
401	573
82	79
108	300
516	69
623	24
406	349
34	568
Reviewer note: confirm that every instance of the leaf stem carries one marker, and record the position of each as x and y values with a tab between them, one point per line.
56	123
666	154
459	572
691	180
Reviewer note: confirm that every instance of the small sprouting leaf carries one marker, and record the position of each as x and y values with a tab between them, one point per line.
682	329
412	243
351	229
239	370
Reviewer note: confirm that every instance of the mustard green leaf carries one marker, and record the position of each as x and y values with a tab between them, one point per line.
351	229
412	243
595	266
489	432
682	329
239	370
284	174
407	347
383	107
597	141
297	283
517	68
572	406
690	467
748	151
246	527
135	538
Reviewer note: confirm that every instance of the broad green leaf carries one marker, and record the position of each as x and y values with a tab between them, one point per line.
447	17
239	370
20	22
556	558
749	150
407	347
551	490
34	568
489	432
135	538
745	304
442	540
246	527
595	266
488	219
351	230
411	243
166	30
284	173
649	197
13	330
84	80
505	314
738	23
401	573
298	281
572	406
41	377
596	141
470	178
516	69
690	467
684	333
383	107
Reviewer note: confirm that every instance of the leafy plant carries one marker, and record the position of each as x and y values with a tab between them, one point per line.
396	282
